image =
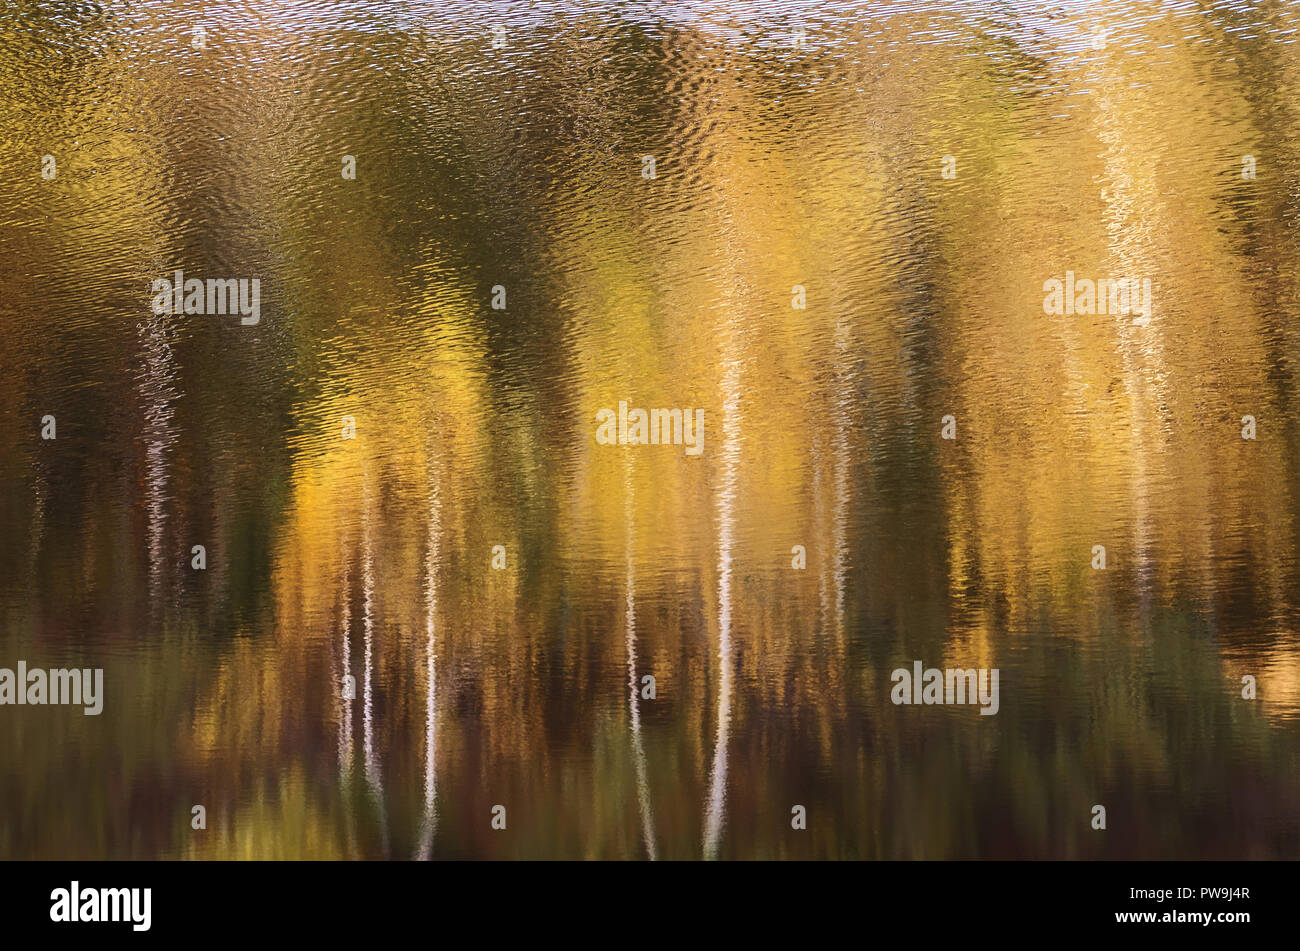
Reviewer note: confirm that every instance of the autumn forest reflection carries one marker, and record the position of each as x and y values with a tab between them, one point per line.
777	164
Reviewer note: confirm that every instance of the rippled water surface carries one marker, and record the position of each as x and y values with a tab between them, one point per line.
505	264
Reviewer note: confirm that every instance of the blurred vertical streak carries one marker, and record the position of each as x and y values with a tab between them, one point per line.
629	622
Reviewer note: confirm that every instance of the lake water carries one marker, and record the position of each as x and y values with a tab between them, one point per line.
832	230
